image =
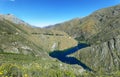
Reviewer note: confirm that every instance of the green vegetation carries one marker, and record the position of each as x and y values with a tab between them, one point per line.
14	65
13	70
24	50
102	25
101	30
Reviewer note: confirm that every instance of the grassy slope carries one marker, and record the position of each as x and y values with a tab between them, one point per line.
89	28
19	44
93	27
100	29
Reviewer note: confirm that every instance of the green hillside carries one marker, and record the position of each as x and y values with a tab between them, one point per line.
24	50
101	30
27	51
96	27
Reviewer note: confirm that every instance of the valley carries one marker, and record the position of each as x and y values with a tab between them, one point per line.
81	47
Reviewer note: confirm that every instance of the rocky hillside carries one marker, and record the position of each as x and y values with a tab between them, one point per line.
101	29
24	50
20	37
92	27
70	27
104	57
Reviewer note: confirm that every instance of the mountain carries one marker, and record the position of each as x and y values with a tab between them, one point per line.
12	18
21	36
27	51
24	50
101	30
93	26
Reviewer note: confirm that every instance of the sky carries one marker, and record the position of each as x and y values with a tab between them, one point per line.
42	13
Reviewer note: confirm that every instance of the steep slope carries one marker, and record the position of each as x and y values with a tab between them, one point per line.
18	36
70	27
93	26
24	50
14	39
104	57
101	30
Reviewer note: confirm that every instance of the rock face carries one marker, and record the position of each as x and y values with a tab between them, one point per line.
105	56
101	29
104	52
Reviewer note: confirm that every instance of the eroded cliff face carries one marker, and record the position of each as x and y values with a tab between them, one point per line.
102	57
101	30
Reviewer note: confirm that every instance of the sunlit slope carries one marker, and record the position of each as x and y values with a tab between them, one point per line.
22	38
24	50
101	30
100	26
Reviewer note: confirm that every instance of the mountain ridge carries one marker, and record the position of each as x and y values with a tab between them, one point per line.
101	30
91	25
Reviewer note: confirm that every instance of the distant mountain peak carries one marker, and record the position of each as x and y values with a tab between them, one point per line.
12	18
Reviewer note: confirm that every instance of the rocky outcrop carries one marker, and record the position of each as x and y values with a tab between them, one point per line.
102	57
101	30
